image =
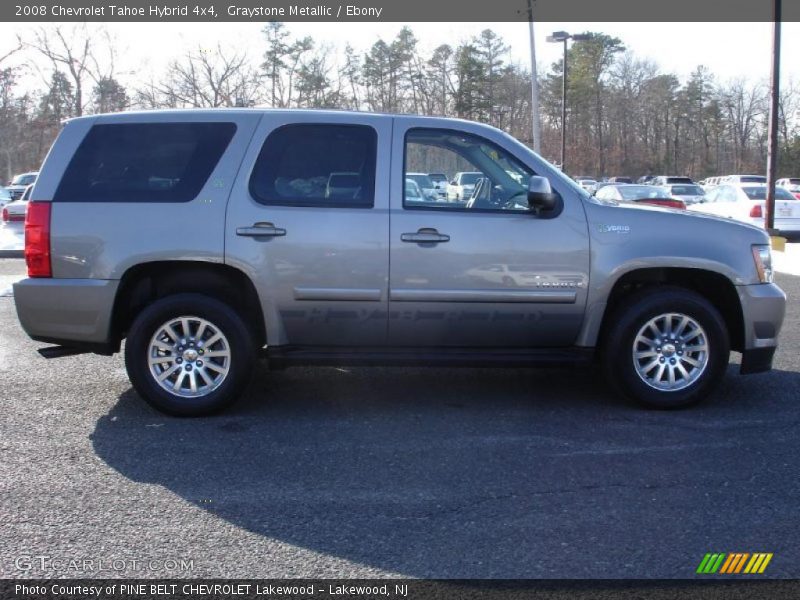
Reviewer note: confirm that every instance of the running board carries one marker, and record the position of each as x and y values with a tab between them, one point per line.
285	356
60	351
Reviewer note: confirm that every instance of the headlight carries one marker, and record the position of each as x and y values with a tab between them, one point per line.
763	258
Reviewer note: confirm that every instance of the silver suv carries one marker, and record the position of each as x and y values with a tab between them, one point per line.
206	239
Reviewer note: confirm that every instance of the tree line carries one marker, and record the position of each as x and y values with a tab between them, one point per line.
625	116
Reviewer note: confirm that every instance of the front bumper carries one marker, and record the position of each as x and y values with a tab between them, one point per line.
69	312
763	309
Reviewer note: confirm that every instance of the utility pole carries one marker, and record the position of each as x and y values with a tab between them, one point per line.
535	118
772	140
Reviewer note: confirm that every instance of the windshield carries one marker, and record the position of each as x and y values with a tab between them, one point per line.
423	181
687	190
679	180
5	194
23	180
752	179
760	193
412	190
470	178
437	177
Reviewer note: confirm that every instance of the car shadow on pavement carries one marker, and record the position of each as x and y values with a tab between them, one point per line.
465	473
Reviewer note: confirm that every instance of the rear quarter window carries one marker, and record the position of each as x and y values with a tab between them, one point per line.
317	164
144	162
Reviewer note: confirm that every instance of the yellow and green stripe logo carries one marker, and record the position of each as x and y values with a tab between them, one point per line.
734	563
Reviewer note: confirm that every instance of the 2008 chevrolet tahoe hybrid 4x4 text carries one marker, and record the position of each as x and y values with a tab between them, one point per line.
208	238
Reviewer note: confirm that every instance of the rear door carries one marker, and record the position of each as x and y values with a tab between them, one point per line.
308	220
486	273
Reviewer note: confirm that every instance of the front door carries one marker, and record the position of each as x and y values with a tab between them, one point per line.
485	270
308	221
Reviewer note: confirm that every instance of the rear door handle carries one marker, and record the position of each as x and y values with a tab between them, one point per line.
426	235
261	230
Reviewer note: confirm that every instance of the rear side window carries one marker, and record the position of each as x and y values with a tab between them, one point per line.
317	165
144	162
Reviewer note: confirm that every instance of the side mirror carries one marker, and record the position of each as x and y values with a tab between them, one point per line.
541	197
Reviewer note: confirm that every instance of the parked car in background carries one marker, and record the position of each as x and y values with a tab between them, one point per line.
745	203
462	185
620	180
19	182
5	197
645	179
688	193
587	183
600	185
644	194
710	182
16	210
792	184
427	186
670	179
440	181
738	179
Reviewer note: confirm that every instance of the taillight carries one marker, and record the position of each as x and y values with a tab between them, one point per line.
756	212
5	214
37	239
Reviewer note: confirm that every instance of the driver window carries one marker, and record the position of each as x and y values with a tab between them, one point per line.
478	175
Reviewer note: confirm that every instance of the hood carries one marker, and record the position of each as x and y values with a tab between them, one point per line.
683	216
693	217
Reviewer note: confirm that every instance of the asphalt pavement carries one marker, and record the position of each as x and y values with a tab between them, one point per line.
441	473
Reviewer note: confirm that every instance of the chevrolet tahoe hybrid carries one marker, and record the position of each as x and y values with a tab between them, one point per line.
209	238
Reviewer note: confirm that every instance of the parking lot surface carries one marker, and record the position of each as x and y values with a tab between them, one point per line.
326	472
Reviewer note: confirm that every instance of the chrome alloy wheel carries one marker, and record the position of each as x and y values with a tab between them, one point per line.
670	352
189	357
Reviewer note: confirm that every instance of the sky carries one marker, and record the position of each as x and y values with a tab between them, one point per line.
729	50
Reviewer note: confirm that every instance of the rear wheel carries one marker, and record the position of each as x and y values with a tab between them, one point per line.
189	355
667	347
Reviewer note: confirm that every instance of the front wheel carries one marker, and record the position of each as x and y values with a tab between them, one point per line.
189	355
666	347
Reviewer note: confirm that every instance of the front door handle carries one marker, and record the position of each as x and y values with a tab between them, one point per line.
426	235
261	230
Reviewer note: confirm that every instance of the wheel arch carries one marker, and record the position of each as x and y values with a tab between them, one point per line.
715	287
146	282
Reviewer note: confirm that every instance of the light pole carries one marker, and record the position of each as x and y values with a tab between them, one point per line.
563	36
535	119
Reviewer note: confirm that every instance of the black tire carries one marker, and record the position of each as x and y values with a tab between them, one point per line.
624	324
221	316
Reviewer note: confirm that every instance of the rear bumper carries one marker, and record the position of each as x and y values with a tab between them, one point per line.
72	312
787	225
763	309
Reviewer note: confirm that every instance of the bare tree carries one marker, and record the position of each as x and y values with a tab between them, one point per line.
207	78
69	52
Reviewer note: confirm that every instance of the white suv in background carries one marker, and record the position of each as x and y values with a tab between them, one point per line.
462	185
